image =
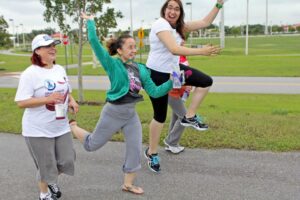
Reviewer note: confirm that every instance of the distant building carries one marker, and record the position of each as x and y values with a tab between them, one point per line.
287	27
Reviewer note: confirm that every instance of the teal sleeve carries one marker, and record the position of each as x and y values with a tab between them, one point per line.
150	87
100	52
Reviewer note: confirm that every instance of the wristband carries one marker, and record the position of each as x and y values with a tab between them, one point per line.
219	6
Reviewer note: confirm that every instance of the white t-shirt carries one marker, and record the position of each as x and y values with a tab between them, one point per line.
37	81
160	58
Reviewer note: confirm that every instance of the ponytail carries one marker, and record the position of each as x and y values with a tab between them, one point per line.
114	44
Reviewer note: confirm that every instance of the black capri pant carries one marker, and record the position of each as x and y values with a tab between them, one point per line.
160	105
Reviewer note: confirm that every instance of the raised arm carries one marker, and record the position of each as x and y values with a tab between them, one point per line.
169	41
206	21
100	52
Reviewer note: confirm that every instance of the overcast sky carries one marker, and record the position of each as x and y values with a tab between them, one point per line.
30	12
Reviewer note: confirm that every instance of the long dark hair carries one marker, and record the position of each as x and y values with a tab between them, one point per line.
114	44
180	22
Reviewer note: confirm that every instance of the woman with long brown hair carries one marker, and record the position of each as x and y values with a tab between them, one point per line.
165	37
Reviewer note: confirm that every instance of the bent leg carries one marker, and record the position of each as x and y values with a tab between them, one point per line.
202	82
110	122
176	130
197	98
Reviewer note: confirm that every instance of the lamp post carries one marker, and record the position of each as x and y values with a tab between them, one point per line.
247	28
23	35
222	30
13	31
131	26
17	35
222	27
266	27
191	18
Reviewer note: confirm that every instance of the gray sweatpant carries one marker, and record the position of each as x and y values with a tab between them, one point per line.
175	128
52	156
112	119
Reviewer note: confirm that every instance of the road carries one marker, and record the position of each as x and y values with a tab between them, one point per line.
262	85
194	174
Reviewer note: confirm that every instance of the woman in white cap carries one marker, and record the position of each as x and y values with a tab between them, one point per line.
44	92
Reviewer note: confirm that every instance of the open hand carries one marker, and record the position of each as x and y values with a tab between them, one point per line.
85	16
210	50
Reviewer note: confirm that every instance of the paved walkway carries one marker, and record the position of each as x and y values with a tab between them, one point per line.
195	174
262	85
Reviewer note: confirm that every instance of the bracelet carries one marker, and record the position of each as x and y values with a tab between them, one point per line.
219	6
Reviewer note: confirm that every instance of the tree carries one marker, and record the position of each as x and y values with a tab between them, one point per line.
292	28
56	10
235	30
4	36
48	31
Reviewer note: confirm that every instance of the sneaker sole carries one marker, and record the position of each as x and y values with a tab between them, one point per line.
167	149
198	129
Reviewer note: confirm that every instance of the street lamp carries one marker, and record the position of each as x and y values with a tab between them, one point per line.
13	31
247	28
191	14
17	35
131	26
266	27
23	35
222	30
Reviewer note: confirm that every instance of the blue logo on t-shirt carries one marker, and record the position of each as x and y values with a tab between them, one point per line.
50	85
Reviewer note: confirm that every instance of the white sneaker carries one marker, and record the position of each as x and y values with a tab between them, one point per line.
174	149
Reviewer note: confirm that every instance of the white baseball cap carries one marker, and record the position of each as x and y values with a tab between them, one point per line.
42	40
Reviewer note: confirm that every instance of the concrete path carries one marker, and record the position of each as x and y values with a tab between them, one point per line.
194	174
262	85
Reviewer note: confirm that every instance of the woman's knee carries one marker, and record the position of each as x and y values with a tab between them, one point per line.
210	81
201	89
66	164
90	145
160	118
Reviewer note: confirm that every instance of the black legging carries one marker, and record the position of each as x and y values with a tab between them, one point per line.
160	105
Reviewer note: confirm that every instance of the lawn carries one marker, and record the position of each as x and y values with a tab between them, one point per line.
268	56
239	121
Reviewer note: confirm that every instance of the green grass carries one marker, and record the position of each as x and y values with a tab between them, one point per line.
268	56
11	63
239	121
88	70
257	66
260	45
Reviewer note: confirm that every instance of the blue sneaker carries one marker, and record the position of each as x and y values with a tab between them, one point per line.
153	161
196	122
